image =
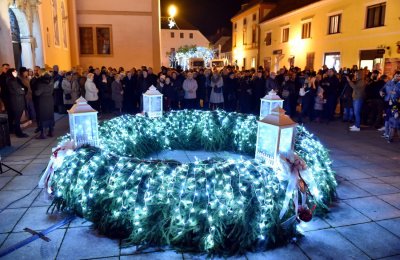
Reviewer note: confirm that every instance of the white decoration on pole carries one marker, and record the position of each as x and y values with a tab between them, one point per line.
269	102
153	102
83	123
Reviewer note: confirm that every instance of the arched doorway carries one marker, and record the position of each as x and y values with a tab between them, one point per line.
26	33
16	39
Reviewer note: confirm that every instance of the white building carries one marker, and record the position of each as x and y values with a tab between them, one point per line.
182	34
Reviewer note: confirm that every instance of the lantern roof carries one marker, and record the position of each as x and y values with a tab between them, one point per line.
278	118
81	106
152	91
272	95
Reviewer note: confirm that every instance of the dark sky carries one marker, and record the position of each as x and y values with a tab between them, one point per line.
207	15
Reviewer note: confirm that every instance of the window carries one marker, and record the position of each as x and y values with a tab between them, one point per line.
285	34
268	39
244	21
254	17
235	26
55	24
306	30
234	39
172	35
182	35
64	18
334	23
253	62
191	35
332	60
253	35
244	37
244	63
310	60
172	50
376	15
95	40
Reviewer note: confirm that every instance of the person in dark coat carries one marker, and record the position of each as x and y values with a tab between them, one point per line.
129	83
286	91
231	86
16	95
201	90
58	91
144	83
4	92
330	85
245	93
170	95
259	92
44	94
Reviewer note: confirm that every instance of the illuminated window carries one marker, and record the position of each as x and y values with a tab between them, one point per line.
376	15
335	23
253	35
95	40
172	35
268	39
285	34
306	30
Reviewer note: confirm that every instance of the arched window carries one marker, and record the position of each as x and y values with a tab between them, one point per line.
64	18
55	24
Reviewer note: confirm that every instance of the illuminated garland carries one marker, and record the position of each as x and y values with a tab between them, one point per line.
218	206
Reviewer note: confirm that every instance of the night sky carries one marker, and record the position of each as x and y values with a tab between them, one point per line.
207	15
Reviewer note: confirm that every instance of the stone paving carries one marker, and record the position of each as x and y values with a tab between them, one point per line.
364	223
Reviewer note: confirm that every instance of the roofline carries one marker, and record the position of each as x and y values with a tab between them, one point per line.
258	5
313	5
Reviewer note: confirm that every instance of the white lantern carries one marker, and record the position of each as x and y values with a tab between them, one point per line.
83	123
275	137
153	102
269	102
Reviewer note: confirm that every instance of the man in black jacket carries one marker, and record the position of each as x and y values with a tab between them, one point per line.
330	85
16	95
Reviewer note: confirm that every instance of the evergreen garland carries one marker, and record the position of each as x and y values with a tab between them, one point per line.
218	206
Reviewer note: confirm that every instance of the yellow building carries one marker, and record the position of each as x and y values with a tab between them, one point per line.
246	33
79	33
337	33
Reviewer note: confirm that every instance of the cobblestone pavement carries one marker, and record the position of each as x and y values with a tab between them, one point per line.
364	223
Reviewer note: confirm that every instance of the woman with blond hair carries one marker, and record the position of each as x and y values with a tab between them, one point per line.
91	92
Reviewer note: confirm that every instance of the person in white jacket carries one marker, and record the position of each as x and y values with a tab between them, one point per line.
91	92
190	87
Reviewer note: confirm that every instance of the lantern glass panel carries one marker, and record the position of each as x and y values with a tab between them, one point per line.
265	108
146	101
285	144
155	104
85	126
267	141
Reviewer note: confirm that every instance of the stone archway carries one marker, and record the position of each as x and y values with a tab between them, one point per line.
27	18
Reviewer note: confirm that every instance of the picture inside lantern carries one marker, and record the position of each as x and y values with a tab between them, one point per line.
275	137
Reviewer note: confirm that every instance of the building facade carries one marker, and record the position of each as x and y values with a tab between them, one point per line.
181	34
246	33
337	33
79	33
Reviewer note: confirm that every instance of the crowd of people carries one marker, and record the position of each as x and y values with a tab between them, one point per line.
359	96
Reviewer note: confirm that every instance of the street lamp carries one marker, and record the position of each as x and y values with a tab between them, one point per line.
172	11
